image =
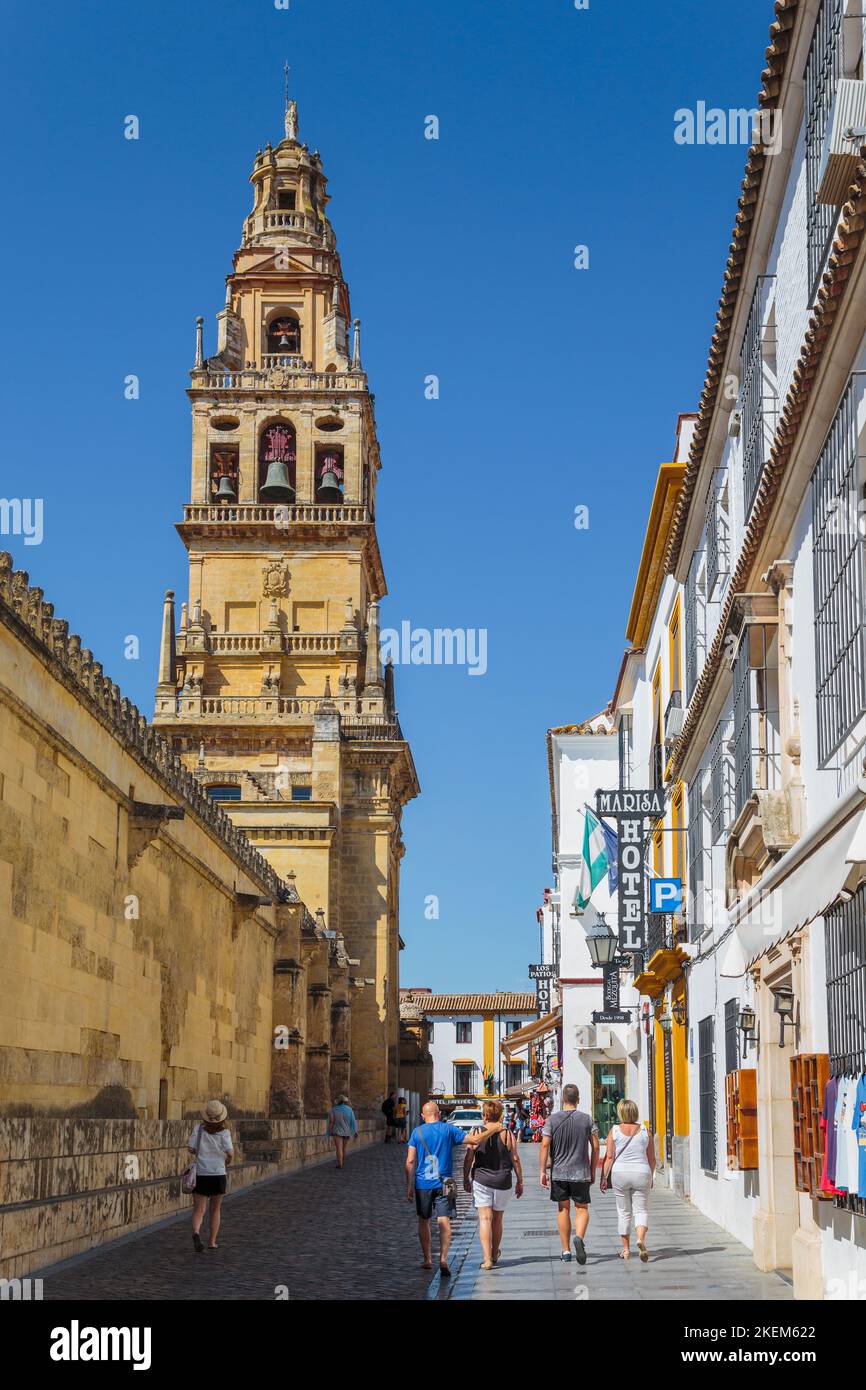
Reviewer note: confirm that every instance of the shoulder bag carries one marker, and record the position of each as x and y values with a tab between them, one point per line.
604	1185
187	1178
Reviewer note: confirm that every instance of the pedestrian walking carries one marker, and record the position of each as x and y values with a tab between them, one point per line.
629	1165
569	1158
342	1126
487	1174
211	1144
430	1179
388	1105
400	1111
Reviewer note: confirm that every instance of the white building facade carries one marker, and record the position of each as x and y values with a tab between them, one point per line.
743	694
600	1059
465	1036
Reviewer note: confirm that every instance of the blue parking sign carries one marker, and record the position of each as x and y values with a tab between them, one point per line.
666	894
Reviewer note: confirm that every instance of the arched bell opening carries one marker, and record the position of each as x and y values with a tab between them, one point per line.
224	473
277	462
284	335
329	473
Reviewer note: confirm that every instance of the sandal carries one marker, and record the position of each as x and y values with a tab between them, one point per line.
625	1254
487	1264
197	1242
643	1252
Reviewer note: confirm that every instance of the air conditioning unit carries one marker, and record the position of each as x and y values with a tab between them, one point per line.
735	423
846	132
584	1036
674	723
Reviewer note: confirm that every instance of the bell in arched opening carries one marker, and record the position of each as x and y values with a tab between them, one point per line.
284	336
330	479
277	463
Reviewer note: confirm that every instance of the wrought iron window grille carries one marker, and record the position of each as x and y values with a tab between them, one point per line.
838	576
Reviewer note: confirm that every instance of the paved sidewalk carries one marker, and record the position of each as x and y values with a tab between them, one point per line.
690	1257
314	1234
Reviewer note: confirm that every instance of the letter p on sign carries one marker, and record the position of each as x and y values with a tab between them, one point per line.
666	894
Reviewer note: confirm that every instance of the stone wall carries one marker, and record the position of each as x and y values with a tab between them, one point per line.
68	1185
137	924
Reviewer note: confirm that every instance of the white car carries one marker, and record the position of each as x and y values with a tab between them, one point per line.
466	1119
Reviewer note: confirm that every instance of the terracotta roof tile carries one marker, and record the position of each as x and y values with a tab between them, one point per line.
504	1003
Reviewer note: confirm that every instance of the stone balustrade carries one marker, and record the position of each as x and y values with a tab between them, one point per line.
275	377
278	515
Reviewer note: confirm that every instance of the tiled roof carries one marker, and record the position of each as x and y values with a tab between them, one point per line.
771	79
505	1003
831	296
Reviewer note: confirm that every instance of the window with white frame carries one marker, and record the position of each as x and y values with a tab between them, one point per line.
757	762
695	616
721	779
758	377
698	860
823	71
718	535
838	574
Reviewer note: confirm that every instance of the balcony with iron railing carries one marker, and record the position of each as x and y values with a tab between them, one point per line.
664	957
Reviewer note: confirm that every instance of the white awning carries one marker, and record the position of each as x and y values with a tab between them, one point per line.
801	886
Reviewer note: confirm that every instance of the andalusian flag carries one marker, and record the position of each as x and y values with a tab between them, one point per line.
593	866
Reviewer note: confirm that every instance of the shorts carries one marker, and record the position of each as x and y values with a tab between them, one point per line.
431	1201
400	1124
563	1190
495	1197
210	1184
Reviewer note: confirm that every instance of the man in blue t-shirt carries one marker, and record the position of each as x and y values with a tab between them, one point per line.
430	1151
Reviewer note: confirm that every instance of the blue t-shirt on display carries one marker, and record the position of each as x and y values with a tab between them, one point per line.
434	1161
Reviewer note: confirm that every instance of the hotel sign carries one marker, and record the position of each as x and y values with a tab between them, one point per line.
629	803
631	809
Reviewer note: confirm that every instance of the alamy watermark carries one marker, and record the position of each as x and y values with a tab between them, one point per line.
22	516
739	125
439	646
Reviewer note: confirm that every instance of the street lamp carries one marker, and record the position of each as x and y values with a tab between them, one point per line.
746	1022
601	943
783	1002
678	1009
664	1021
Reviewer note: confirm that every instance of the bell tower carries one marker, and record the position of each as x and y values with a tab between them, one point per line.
271	687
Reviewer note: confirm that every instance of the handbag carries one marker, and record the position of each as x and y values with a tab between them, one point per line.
449	1185
604	1185
188	1176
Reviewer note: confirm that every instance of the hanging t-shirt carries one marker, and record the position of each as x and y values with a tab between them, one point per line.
828	1125
843	1122
858	1123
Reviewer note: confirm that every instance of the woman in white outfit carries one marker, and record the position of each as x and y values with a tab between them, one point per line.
629	1164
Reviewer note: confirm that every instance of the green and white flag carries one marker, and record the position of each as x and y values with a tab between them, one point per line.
593	864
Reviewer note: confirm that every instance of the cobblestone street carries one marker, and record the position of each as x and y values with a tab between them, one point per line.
320	1233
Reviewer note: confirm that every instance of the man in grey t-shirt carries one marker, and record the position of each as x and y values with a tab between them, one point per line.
569	1149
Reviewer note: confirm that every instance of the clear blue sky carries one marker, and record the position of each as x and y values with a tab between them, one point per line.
558	387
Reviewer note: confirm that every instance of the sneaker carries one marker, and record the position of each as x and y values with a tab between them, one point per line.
565	1256
579	1250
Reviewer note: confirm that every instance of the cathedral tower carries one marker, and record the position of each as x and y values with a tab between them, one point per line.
272	687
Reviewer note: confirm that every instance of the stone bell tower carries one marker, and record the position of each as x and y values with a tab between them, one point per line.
272	688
